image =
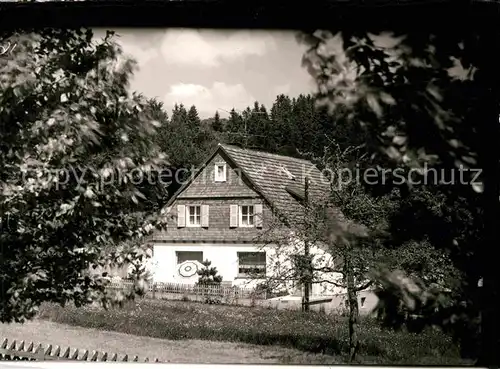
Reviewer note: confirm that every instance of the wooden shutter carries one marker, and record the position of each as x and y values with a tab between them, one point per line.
181	216
233	216
258	215
204	216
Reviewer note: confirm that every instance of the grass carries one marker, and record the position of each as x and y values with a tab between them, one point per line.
181	352
312	332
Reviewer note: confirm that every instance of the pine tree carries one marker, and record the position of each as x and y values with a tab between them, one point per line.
179	115
193	118
209	275
176	142
235	128
281	131
304	123
217	125
257	122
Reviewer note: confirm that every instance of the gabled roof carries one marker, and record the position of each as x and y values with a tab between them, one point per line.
272	176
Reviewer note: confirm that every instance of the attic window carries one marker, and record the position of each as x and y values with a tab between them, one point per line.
288	174
220	172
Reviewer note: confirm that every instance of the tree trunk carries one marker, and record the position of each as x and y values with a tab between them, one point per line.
308	266
352	299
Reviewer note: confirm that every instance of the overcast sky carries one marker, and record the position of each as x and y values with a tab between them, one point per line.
215	70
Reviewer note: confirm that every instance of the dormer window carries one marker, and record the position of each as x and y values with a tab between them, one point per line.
220	172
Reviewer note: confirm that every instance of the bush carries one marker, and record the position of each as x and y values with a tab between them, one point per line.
208	276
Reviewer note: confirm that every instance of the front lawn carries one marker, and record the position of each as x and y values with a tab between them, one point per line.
313	332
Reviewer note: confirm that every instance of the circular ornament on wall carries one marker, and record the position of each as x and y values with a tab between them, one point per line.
188	269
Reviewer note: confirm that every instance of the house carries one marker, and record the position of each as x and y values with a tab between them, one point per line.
227	213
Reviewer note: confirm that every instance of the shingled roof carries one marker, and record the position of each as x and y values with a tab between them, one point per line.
279	179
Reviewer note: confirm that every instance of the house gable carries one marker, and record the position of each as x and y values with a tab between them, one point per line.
205	186
218	198
271	182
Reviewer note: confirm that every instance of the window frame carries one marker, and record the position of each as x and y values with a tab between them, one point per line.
224	173
240	210
257	275
196	215
177	256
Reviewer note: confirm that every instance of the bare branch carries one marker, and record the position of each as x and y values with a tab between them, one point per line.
363	286
328	270
330	282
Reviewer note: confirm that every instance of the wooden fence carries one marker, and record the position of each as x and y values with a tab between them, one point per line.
30	352
179	290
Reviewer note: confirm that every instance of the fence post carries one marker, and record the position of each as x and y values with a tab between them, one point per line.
154	290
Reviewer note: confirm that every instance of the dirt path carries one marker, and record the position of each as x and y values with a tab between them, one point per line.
187	351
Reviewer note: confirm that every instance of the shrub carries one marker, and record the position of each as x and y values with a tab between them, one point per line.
208	276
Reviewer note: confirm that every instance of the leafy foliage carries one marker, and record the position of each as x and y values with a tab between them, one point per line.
349	237
71	128
422	100
74	143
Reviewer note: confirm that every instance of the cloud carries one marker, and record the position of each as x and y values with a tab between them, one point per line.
141	54
282	89
140	44
219	96
209	48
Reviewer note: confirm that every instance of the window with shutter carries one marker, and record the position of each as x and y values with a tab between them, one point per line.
247	216
194	216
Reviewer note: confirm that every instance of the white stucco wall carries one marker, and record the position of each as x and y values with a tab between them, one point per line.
282	260
224	257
